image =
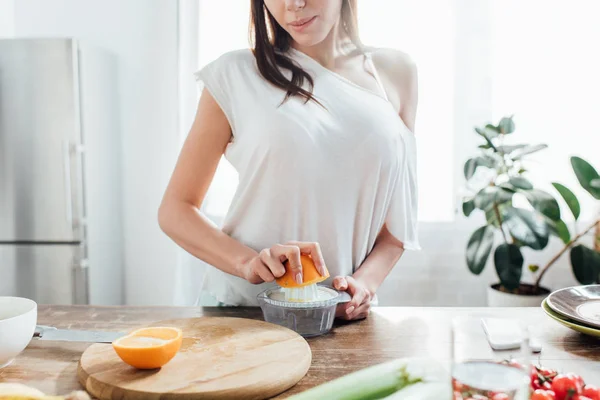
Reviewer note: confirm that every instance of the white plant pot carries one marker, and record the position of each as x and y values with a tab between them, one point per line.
496	298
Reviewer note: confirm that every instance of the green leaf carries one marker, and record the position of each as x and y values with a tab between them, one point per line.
509	265
485	146
534	268
468	207
487	135
470	167
491	216
520	183
559	229
544	203
506	125
569	198
492	130
508	187
518	154
486	197
527	227
479	248
507	149
586	264
472	164
585	175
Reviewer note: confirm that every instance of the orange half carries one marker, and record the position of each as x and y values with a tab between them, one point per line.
149	348
310	274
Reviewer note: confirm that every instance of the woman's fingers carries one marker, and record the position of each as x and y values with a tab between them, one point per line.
359	313
291	253
272	263
340	311
359	294
273	260
314	251
261	270
340	283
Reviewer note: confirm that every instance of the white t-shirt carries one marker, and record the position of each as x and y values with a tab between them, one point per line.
331	176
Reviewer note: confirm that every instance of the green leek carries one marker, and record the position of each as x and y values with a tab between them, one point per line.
382	381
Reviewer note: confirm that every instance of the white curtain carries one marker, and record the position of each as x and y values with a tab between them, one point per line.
478	60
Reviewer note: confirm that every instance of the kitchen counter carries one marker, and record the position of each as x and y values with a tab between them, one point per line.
390	332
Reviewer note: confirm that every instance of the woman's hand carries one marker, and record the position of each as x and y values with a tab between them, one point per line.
268	264
360	304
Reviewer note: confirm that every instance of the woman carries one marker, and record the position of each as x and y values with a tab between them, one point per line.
319	129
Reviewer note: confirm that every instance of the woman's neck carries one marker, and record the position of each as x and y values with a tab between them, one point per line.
329	50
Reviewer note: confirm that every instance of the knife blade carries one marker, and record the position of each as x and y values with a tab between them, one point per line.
74	335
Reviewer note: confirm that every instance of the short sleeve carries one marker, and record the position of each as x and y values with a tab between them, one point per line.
402	216
221	77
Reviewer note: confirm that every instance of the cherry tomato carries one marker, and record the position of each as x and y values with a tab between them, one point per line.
591	391
500	396
459	387
539	382
565	386
541	378
540	394
547	373
541	386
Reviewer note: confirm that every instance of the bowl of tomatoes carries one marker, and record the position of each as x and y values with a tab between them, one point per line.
545	384
548	384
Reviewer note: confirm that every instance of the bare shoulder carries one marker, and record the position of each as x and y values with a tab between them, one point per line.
397	65
399	72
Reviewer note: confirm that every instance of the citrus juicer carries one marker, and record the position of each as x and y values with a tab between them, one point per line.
308	310
305	306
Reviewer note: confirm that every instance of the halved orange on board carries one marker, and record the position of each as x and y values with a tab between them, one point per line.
310	274
149	348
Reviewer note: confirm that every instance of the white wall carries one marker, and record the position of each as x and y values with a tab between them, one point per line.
438	274
143	36
7	13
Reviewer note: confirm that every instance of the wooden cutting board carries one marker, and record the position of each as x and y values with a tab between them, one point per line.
220	358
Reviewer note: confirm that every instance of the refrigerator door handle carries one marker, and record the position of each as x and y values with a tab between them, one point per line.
68	189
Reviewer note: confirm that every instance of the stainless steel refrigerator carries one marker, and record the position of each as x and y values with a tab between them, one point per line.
60	186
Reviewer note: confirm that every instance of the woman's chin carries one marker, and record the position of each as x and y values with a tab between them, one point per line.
307	39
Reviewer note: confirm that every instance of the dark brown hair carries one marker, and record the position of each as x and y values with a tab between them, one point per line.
270	42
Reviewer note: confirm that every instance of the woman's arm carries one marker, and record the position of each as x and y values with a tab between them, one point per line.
400	75
179	216
378	264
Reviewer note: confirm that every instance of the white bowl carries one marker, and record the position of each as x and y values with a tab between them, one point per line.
18	317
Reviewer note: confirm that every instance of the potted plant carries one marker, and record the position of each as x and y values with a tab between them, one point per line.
494	178
585	261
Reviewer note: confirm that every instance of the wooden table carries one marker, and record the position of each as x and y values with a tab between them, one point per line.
390	332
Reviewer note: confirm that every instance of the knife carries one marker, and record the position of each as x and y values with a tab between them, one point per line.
44	332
